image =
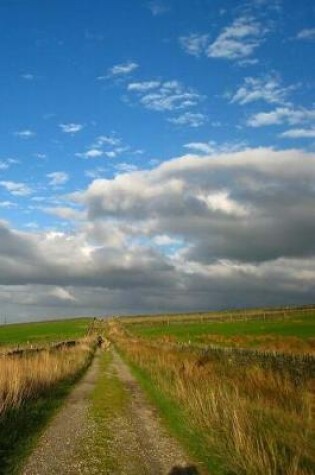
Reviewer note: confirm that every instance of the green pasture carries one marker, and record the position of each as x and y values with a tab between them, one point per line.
301	325
43	332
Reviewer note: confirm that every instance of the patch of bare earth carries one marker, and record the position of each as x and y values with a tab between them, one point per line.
134	442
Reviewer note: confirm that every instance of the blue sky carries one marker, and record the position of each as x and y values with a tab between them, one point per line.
113	113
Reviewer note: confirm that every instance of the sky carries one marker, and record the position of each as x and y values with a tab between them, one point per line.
155	156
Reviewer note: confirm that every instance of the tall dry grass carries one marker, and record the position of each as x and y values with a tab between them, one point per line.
27	376
256	421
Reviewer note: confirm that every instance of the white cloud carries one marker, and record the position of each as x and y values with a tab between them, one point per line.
122	69
61	294
107	140
306	34
157	7
218	211
281	115
41	156
143	86
28	76
126	167
168	96
266	89
25	133
165	240
189	119
194	44
91	153
110	154
237	41
202	147
65	212
95	173
222	206
71	128
109	146
58	178
211	147
7	204
222	202
4	165
16	188
32	225
299	133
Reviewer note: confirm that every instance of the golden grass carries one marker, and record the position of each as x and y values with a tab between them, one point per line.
287	344
256	421
27	376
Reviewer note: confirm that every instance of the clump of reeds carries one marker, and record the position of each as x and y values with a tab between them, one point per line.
28	375
257	421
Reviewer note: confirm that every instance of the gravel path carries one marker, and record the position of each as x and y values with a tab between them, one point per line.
149	447
138	444
55	453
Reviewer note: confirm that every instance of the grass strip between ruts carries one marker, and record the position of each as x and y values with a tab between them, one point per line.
108	400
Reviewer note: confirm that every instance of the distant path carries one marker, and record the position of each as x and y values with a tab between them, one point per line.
137	443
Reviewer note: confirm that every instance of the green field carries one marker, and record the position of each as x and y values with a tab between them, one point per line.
299	325
293	333
43	332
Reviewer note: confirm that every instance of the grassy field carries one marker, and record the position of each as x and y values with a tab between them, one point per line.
234	418
32	388
43	332
294	332
34	385
248	419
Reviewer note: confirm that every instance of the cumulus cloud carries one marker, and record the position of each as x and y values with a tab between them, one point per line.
190	119
299	133
7	204
143	86
237	41
205	231
170	96
157	8
5	164
109	146
165	240
16	188
212	147
120	70
25	134
61	294
65	212
58	178
91	153
28	76
71	128
306	34
194	44
201	147
222	205
282	115
266	89
166	96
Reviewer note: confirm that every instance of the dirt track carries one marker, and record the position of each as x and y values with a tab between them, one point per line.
138	443
55	453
